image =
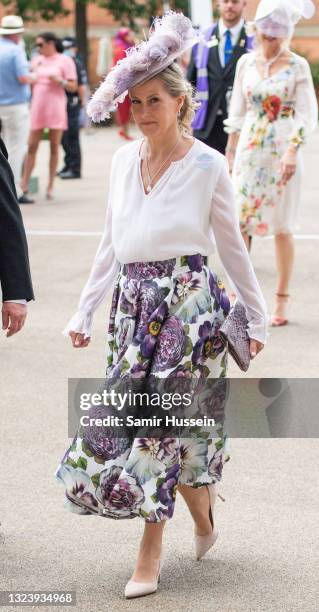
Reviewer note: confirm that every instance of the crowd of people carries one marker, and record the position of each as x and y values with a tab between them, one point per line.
46	93
256	104
237	144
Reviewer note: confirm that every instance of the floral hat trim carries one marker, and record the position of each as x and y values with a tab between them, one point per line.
172	35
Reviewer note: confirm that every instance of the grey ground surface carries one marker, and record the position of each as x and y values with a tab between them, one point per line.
266	557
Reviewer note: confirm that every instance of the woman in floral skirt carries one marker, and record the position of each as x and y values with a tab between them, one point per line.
273	110
170	202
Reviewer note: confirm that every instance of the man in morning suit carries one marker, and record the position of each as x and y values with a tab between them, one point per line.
15	278
212	71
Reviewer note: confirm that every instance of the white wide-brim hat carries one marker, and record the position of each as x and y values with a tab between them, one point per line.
11	24
278	18
171	36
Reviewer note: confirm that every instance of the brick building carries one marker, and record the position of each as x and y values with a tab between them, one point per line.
101	24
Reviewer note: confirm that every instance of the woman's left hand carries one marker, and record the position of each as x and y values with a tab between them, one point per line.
55	77
255	347
288	166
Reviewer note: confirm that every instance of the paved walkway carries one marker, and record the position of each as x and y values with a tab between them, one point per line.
266	557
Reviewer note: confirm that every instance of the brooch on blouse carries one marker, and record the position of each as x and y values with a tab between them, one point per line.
204	161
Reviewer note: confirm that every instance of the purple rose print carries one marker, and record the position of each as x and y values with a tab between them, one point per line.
218	292
195	262
77	483
151	296
166	489
209	343
160	514
153	328
108	480
181	371
100	440
129	297
215	466
123	334
171	346
126	498
212	401
149	270
139	370
180	380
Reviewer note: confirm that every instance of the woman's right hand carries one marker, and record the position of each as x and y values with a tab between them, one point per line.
255	347
78	340
230	156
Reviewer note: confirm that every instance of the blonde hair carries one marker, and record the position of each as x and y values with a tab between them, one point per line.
177	85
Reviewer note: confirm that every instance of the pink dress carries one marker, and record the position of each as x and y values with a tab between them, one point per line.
49	101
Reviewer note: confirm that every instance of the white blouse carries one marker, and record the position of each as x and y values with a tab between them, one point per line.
190	210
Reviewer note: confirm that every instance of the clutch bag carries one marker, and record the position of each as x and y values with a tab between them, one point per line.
233	333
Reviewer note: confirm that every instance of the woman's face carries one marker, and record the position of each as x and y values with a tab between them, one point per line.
154	109
44	47
271	43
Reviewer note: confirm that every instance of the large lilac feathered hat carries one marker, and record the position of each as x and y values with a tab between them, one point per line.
171	35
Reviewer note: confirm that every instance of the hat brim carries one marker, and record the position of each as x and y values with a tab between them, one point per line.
8	31
155	70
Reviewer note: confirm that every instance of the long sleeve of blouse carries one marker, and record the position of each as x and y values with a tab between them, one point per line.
102	276
234	255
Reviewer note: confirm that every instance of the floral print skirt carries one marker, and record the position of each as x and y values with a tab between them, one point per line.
164	322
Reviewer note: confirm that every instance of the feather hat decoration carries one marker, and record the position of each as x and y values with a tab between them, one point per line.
171	36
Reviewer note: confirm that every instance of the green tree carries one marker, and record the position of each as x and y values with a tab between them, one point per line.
127	11
124	11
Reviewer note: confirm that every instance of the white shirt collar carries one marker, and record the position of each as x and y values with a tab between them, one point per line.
235	31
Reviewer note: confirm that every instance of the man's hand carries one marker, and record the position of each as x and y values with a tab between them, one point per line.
13	317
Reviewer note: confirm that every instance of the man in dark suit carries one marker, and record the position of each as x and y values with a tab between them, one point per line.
212	71
15	277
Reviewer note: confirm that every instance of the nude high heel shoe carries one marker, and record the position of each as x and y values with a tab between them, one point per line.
204	542
279	321
139	589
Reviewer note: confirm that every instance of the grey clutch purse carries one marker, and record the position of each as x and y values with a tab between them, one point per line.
233	333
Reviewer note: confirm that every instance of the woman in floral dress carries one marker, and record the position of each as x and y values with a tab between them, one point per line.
273	111
170	202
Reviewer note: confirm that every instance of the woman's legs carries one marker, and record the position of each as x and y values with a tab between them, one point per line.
33	144
55	137
198	502
285	253
147	564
